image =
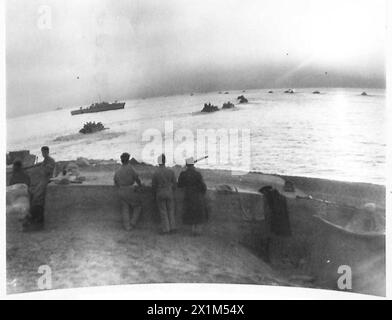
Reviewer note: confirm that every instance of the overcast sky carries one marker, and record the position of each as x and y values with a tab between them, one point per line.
122	49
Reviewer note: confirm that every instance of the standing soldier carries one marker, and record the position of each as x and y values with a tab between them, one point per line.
42	174
164	186
194	200
19	175
124	180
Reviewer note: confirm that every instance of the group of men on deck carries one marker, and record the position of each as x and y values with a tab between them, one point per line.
127	181
164	185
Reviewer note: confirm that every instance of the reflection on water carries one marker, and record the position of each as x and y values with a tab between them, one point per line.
338	134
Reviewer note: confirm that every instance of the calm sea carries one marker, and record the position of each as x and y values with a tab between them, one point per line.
338	134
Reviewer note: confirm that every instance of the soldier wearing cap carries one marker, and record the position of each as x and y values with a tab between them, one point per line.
194	199
124	180
163	186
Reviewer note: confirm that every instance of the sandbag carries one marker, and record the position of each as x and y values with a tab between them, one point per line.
82	162
68	178
72	175
73	169
17	200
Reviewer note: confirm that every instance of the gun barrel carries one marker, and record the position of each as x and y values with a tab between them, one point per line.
202	158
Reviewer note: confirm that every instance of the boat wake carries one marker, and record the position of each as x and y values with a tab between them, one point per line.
95	136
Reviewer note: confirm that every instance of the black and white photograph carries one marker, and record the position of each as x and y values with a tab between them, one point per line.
222	142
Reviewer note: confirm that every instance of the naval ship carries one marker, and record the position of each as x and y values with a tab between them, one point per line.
99	107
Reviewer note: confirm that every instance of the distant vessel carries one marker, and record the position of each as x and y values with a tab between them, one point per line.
99	107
